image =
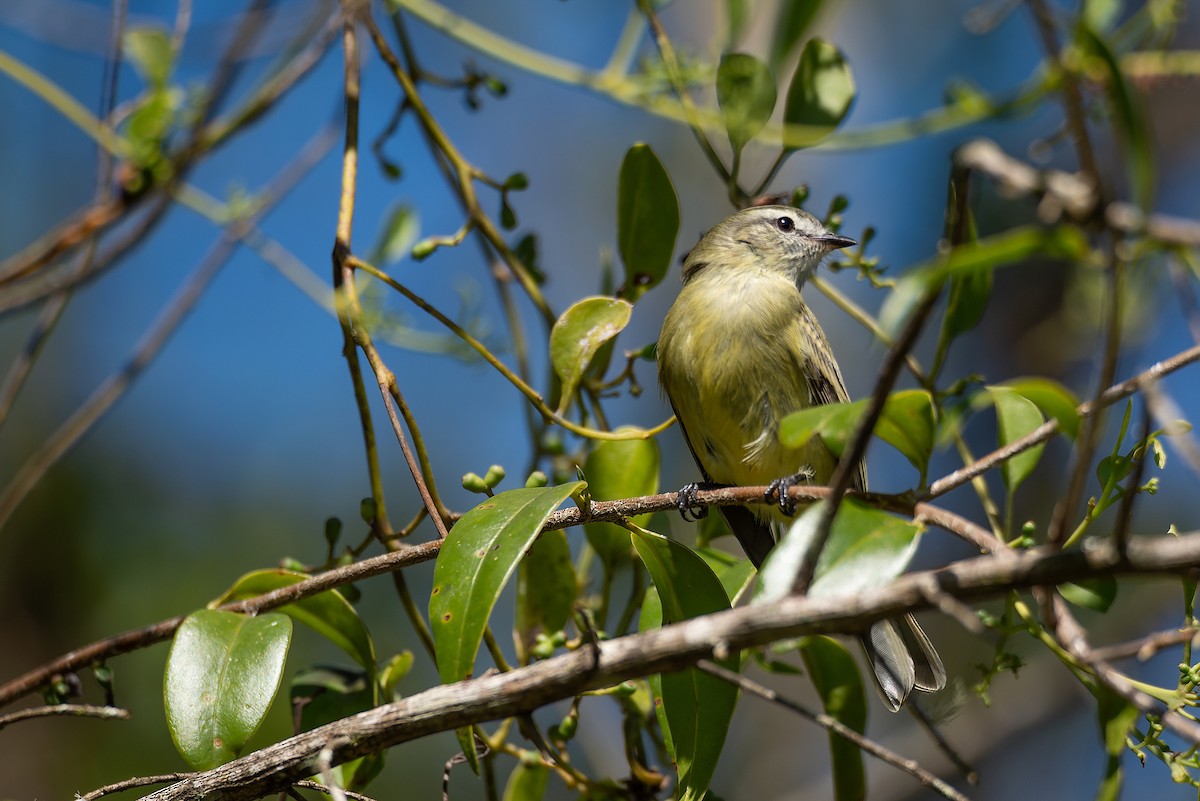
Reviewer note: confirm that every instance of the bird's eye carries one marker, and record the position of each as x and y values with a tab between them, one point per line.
785	224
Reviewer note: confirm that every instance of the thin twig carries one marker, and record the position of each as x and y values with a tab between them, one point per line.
1144	648
129	784
1048	429
832	724
65	710
152	342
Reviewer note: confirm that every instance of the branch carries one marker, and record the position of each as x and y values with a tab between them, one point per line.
670	648
601	511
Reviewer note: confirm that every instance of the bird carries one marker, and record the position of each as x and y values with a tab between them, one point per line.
738	351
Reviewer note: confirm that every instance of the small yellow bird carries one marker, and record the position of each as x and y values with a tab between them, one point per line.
740	350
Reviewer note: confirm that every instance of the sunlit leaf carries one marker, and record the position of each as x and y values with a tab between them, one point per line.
1016	416
476	560
820	94
579	333
746	94
647	221
697	707
222	674
866	548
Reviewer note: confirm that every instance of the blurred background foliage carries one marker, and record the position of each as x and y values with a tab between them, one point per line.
237	443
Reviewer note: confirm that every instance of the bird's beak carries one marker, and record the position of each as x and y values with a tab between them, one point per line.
835	242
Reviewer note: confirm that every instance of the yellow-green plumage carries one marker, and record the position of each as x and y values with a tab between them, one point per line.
739	351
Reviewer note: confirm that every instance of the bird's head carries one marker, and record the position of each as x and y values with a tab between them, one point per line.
771	238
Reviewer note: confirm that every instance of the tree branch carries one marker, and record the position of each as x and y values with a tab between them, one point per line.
670	648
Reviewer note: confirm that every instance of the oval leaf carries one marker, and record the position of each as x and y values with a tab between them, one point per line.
746	94
578	334
619	469
697	707
1016	416
222	674
328	613
647	221
820	94
836	677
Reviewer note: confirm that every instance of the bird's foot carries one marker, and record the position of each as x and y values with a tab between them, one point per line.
777	490
689	508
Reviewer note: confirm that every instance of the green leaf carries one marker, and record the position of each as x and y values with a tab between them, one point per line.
1011	247
1052	398
820	94
1131	118
1116	718
222	674
794	18
327	613
619	469
476	560
698	707
1096	594
746	94
836	677
907	424
866	548
578	334
527	782
546	588
397	236
149	50
647	221
834	423
1016	416
392	673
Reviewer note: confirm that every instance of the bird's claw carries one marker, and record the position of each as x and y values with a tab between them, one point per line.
688	504
777	490
690	509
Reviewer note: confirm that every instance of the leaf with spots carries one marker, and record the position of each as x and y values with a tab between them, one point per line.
477	559
222	674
